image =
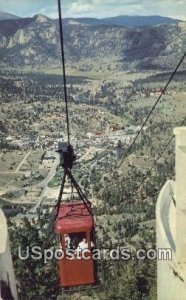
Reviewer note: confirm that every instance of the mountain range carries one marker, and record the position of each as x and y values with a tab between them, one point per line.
151	43
126	21
7	16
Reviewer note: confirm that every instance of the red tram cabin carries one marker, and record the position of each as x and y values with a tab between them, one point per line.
75	228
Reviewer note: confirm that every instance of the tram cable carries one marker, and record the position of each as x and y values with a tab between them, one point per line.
142	127
151	111
67	155
63	68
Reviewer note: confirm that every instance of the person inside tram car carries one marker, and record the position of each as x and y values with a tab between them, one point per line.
77	242
82	245
74	243
67	241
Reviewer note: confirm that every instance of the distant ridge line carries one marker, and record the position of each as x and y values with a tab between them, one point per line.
126	21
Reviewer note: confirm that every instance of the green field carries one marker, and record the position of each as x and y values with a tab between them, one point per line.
9	161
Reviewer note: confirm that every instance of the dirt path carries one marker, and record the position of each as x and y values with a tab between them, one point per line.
23	161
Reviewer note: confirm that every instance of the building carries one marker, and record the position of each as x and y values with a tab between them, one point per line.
171	228
7	279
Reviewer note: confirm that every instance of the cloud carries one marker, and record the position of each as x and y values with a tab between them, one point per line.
181	2
50	11
73	8
103	8
80	7
119	2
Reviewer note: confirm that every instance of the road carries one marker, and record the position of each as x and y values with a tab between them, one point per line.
43	184
51	173
12	172
23	161
19	167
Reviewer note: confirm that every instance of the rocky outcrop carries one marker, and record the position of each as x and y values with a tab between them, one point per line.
35	41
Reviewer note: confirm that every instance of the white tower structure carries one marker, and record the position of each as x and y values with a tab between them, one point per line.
7	279
171	228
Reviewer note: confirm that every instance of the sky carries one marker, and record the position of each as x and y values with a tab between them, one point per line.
96	8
